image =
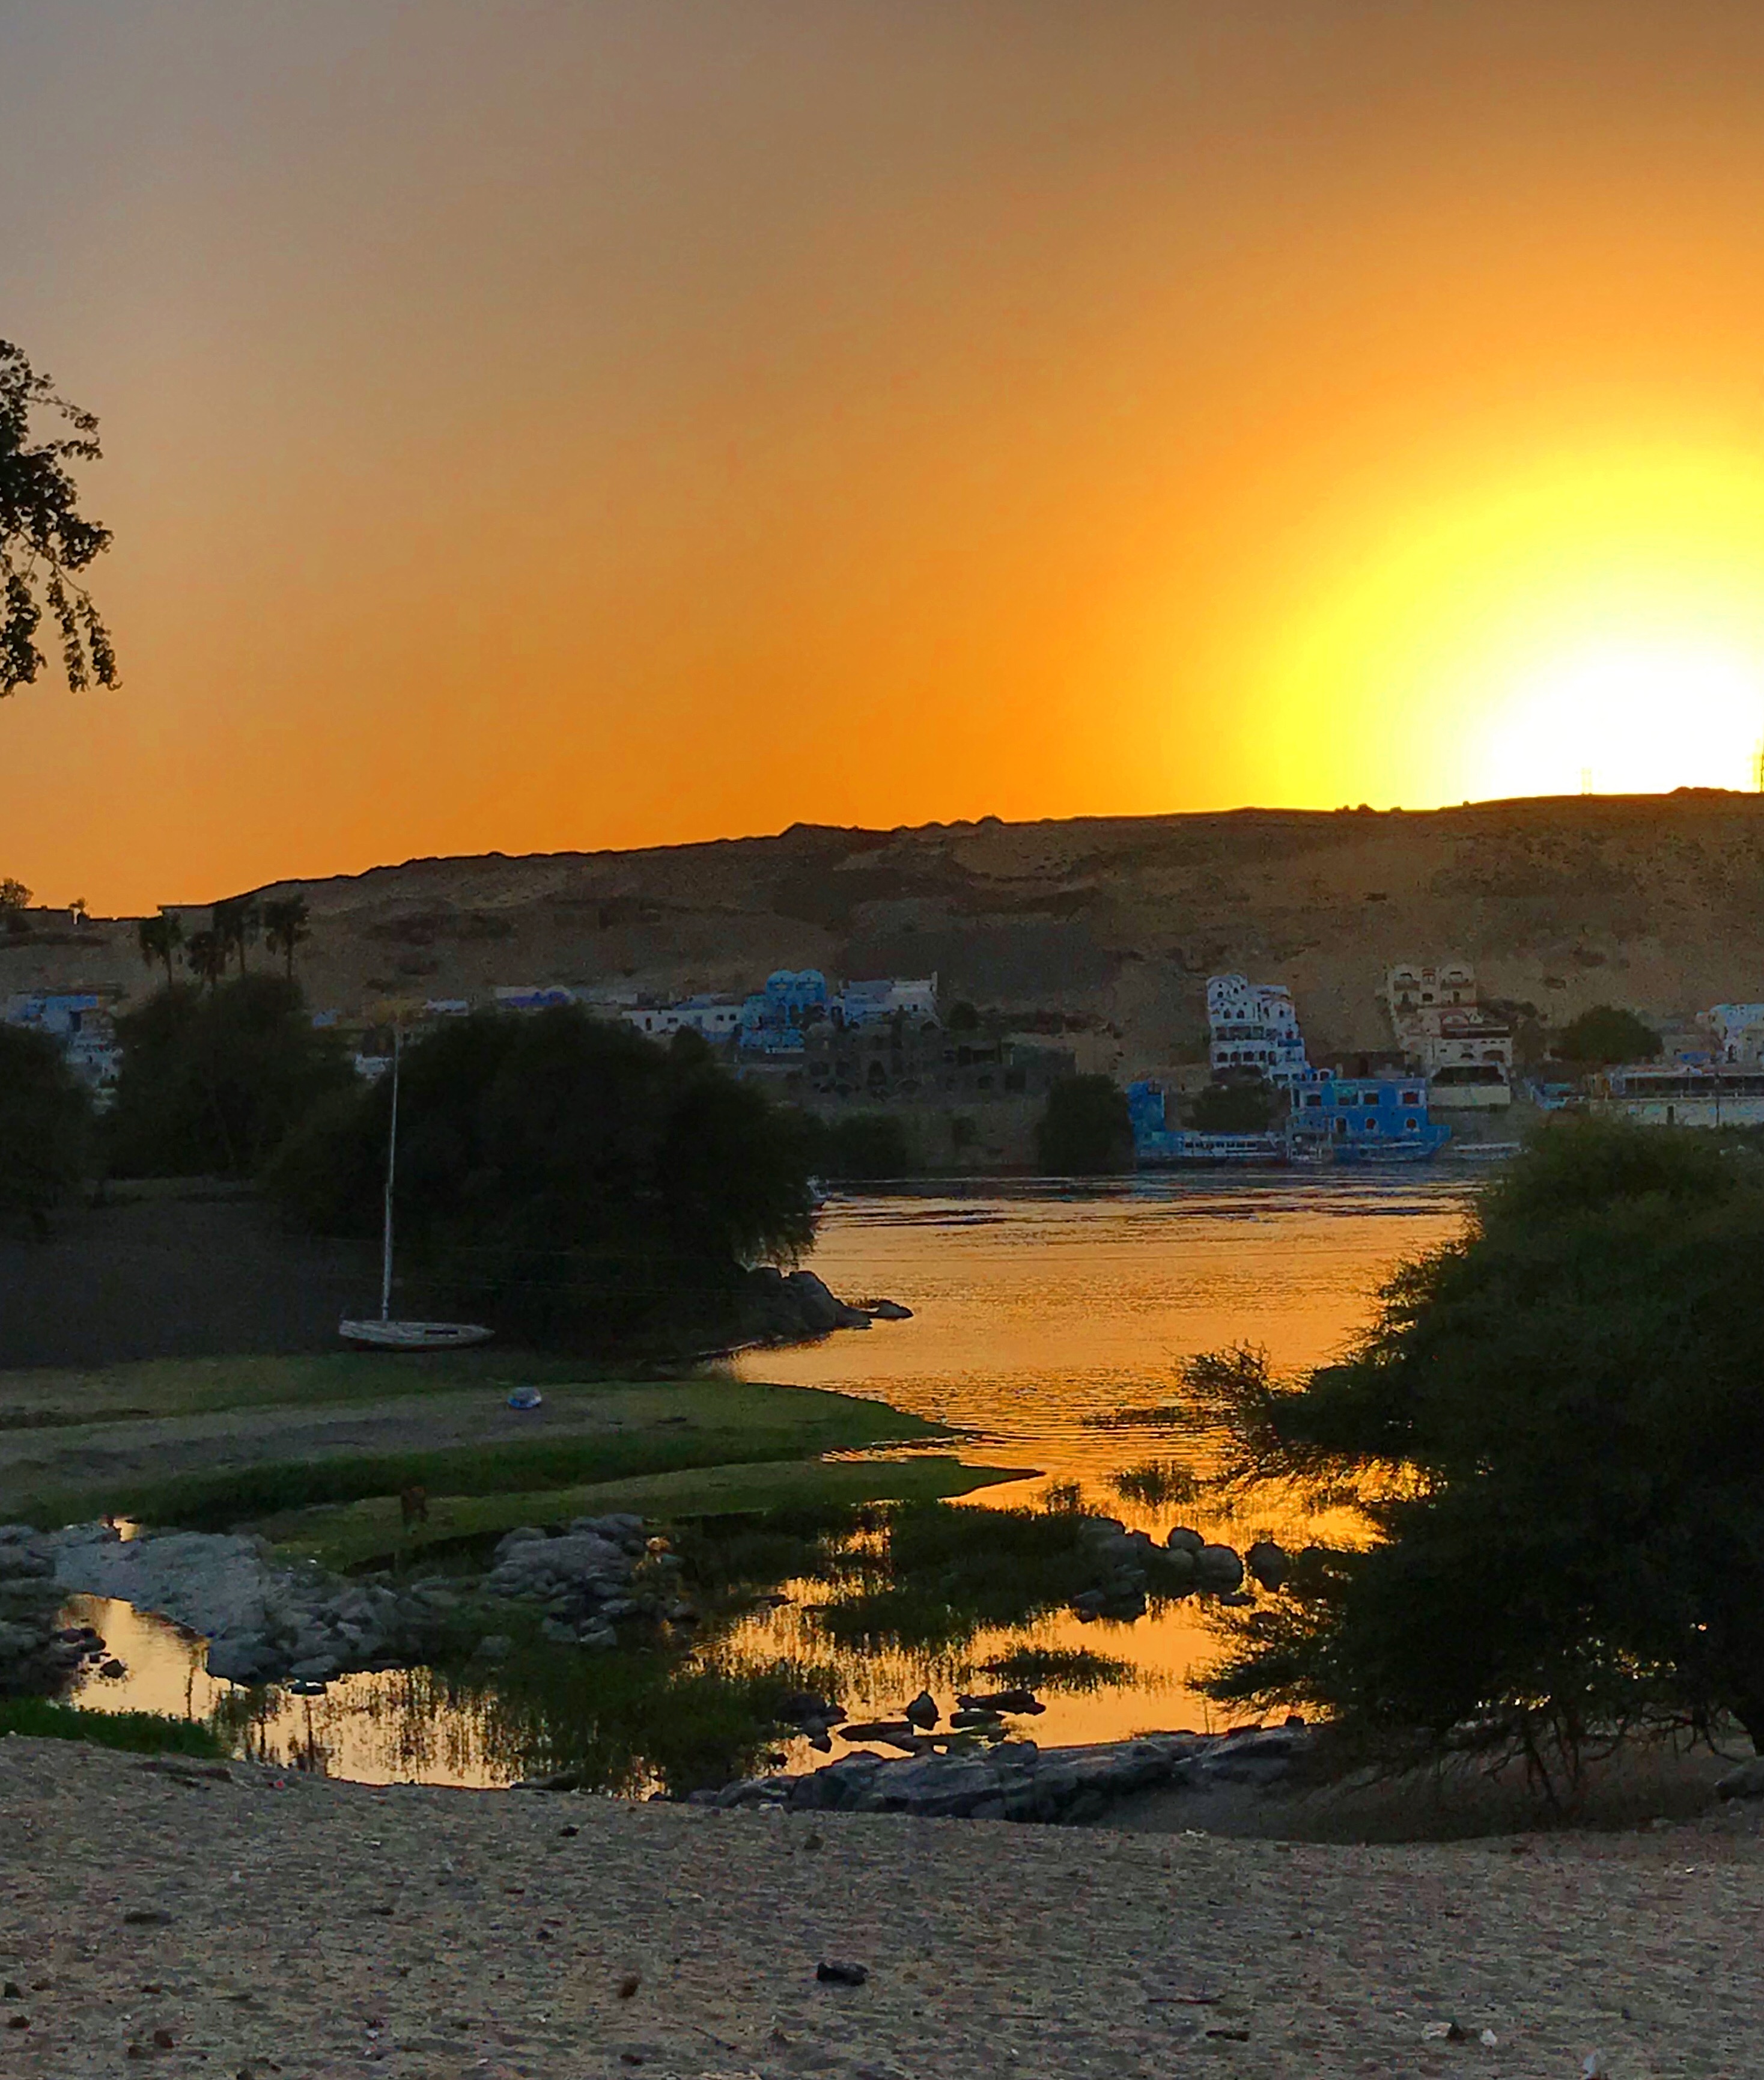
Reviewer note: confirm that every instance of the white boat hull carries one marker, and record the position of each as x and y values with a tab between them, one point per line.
414	1336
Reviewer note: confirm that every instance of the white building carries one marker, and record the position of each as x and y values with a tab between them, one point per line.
1254	1026
1439	1025
715	1017
1736	1033
869	1003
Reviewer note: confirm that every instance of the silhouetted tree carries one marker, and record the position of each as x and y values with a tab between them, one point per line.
236	924
14	895
1555	1430
1607	1034
207	953
45	1120
285	928
159	939
1086	1130
564	1177
212	1083
863	1147
1249	1107
44	539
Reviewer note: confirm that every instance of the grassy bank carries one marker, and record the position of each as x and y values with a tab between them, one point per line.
316	1451
141	1733
361	1533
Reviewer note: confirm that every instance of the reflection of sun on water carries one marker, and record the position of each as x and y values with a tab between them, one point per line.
1050	1312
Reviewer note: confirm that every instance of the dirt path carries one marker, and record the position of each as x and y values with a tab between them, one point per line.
302	1928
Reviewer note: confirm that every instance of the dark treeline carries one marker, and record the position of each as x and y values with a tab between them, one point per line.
563	1177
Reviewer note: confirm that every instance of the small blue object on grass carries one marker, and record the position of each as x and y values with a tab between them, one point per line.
526	1396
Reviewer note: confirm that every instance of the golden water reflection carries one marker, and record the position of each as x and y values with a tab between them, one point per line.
1034	1308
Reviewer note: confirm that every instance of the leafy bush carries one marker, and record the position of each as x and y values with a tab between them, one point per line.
564	1177
211	1081
1085	1131
45	1123
1244	1108
1606	1034
865	1146
1556	1432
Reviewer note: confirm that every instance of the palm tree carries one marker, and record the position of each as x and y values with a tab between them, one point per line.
159	938
236	925
285	925
208	953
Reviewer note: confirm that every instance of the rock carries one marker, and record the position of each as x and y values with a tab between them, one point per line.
1268	1564
821	1311
922	1710
1747	1781
1182	1540
493	1646
831	1972
1174	1570
1001	1700
146	1917
1088	1603
1218	1567
888	1310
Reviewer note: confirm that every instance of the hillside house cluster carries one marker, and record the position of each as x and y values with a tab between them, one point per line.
1252	1027
1464	1048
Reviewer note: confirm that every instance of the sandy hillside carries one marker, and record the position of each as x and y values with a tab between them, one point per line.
1651	901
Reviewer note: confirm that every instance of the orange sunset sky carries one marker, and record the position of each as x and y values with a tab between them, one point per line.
534	425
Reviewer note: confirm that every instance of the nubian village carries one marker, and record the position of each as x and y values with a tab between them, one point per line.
882	1040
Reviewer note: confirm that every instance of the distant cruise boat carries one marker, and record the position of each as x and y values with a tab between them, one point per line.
383	1333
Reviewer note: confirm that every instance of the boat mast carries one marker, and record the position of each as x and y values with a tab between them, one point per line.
391	1173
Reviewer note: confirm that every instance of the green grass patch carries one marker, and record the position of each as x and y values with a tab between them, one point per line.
141	1732
1157	1483
1073	1669
611	1433
202	1386
360	1533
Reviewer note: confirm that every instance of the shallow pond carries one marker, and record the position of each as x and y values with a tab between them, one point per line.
1037	1309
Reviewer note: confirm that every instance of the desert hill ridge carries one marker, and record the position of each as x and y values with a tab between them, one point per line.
1108	924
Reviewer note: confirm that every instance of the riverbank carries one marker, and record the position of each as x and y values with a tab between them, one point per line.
316	1450
269	1923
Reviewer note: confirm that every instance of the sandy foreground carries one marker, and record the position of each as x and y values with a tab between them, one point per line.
283	1925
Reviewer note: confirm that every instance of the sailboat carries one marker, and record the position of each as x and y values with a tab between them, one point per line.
384	1333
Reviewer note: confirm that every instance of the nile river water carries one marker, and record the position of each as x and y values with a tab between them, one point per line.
1035	1308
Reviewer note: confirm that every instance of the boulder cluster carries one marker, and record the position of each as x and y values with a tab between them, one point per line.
598	1570
1018	1780
1132	1566
38	1655
790	1309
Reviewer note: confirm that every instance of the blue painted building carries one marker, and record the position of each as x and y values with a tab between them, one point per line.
1158	1145
773	1019
1364	1119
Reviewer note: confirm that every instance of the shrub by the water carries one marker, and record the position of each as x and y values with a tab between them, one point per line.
1250	1107
866	1146
1086	1130
564	1177
1555	1431
1607	1034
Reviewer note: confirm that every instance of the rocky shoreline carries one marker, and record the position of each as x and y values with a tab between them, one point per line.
1019	1780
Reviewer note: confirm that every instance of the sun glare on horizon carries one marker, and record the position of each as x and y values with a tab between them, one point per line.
1626	717
1595	622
